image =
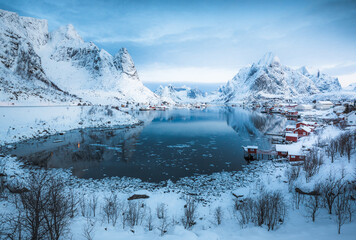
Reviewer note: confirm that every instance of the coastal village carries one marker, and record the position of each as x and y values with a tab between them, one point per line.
303	120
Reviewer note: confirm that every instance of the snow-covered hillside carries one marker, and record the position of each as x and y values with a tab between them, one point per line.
268	78
61	67
182	94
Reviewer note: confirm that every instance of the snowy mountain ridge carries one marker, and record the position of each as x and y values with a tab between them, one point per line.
61	67
183	94
268	78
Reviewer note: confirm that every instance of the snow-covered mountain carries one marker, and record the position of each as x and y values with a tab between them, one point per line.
22	77
268	78
182	94
322	81
351	87
61	63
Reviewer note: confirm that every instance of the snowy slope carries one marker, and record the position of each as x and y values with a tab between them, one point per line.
182	94
65	63
351	87
268	78
322	81
22	77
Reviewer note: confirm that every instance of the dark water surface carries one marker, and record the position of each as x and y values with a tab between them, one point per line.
170	145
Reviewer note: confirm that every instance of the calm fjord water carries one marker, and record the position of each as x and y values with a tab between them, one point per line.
170	145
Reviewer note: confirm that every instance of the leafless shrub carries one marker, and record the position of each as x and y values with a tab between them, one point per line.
218	215
135	213
245	208
267	209
292	174
188	220
150	220
161	211
93	204
162	215
88	230
111	209
163	224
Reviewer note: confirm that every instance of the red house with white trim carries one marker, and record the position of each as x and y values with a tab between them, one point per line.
303	131
281	150
252	149
291	137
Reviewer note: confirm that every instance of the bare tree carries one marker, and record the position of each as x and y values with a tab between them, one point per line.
89	230
330	189
331	149
218	215
161	210
189	217
93	204
33	203
312	163
150	220
111	209
135	213
57	213
313	202
341	213
83	206
348	147
73	203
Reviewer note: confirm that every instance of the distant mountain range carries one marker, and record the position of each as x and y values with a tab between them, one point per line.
182	94
42	67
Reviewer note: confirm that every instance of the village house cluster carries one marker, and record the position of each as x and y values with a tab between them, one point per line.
303	120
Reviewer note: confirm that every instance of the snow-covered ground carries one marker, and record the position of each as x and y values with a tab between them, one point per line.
211	192
20	123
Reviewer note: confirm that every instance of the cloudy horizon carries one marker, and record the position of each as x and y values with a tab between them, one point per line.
207	42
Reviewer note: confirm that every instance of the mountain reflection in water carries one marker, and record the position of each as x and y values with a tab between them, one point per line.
170	145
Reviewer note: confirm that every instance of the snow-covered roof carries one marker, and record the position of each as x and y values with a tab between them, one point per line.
308	123
281	148
305	128
252	147
291	134
325	103
290	126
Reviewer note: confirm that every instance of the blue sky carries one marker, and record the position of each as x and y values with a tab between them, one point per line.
209	41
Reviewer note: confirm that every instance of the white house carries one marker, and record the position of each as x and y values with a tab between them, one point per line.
322	105
351	118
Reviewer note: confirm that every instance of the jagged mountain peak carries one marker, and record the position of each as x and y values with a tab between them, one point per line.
123	61
66	34
269	59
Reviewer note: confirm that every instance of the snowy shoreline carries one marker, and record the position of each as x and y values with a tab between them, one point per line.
22	123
